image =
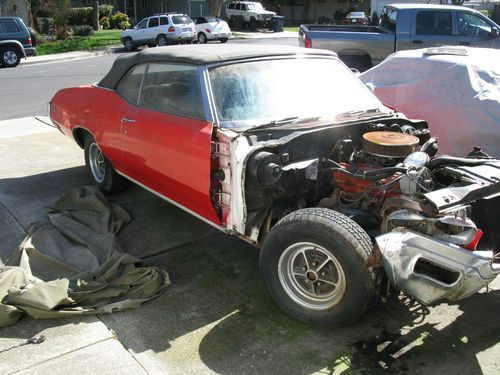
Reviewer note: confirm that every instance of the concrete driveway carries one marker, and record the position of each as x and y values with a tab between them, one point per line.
217	316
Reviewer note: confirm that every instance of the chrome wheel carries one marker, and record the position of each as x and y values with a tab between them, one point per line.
97	163
311	276
10	57
129	45
202	38
162	40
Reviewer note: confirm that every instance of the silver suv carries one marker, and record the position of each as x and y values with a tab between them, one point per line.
160	30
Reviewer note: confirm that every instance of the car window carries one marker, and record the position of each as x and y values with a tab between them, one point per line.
172	88
9	26
163	21
212	19
237	7
130	85
143	24
231	6
153	22
243	7
472	25
181	20
433	23
387	19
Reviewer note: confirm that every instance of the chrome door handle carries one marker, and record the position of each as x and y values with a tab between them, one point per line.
127	120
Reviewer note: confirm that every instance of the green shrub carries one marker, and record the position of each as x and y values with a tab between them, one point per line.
80	16
119	21
104	22
82	30
83	16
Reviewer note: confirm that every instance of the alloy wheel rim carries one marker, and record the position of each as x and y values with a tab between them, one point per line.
162	41
311	276
128	44
202	38
10	57
96	161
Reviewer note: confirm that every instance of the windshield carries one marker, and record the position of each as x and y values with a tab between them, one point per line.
181	20
252	93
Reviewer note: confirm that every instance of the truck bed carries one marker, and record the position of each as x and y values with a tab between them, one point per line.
345	28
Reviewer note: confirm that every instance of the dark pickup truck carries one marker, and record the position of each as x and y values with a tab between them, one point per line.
402	26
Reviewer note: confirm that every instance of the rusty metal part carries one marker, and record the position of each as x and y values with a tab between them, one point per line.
404	203
389	144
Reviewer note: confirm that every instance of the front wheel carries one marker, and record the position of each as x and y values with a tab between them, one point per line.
99	168
11	57
202	38
223	40
129	44
314	263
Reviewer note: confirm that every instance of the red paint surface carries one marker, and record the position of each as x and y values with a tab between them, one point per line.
169	154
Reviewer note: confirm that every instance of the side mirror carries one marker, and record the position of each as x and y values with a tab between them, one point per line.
494	32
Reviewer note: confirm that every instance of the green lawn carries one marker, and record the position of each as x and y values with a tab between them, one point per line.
80	43
292	28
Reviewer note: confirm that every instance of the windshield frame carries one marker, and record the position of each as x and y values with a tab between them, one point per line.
213	115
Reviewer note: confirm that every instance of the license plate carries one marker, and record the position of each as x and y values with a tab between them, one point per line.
186	29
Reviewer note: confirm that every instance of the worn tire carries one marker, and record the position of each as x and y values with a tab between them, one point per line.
128	43
110	181
342	239
10	57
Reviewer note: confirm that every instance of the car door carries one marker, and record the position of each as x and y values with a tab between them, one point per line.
153	30
168	141
474	30
140	32
433	28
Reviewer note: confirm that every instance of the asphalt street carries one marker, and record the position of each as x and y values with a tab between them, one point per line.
26	89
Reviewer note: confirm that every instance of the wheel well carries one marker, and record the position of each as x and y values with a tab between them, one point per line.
12	46
79	134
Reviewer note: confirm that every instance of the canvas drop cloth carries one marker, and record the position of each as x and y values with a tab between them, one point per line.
72	264
459	96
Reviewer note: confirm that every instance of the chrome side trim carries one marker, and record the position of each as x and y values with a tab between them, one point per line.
173	202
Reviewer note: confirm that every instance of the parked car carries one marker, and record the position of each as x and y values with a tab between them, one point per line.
15	41
355	18
401	27
211	28
220	131
249	13
160	30
455	89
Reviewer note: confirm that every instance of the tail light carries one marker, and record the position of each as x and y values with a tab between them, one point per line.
208	30
171	29
308	42
29	41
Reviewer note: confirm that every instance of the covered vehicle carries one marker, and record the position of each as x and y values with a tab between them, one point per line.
455	89
333	186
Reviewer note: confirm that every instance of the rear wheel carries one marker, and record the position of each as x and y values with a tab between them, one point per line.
99	168
128	44
10	57
314	264
161	40
202	38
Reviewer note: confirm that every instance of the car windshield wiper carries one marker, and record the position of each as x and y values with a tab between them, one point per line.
359	114
284	121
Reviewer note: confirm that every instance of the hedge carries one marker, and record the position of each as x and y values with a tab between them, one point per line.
83	16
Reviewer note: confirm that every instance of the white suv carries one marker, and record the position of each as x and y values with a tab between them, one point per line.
160	29
250	13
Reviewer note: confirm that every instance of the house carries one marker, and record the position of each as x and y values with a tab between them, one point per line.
138	9
15	8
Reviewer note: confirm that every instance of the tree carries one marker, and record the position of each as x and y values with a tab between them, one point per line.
214	6
95	14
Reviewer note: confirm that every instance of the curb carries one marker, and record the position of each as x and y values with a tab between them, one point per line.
118	48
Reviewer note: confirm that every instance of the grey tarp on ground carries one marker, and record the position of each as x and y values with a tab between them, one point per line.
73	264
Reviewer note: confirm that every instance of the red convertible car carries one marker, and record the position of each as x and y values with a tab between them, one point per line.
285	148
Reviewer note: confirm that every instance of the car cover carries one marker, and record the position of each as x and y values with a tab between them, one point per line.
455	89
72	264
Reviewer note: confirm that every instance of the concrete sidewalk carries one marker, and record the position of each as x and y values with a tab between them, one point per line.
217	316
239	35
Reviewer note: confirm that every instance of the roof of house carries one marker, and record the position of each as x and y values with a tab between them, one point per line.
202	55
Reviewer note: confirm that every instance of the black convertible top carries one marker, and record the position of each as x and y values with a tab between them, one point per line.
201	55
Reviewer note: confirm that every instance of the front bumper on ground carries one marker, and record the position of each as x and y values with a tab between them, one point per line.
431	270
